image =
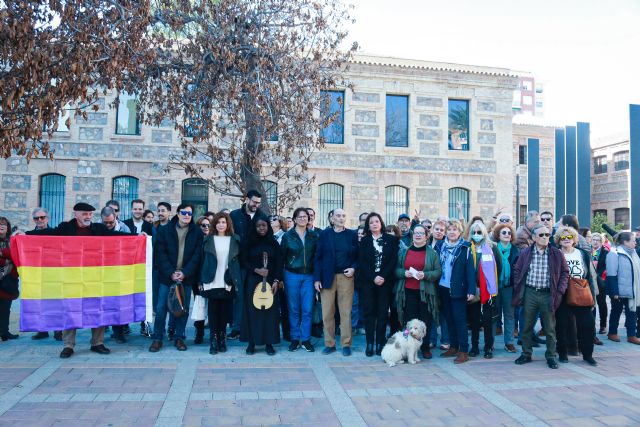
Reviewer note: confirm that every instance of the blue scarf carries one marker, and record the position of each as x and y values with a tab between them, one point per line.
446	259
505	275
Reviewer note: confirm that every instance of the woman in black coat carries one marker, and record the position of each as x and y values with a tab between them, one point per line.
261	327
599	258
377	259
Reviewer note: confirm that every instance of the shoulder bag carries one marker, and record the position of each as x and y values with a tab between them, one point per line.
579	293
175	300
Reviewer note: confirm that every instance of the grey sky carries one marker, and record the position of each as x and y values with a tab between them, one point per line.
585	52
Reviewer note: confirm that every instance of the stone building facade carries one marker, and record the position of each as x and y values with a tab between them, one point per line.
610	179
363	173
523	130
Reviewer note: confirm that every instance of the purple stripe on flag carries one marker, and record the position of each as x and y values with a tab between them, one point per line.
43	315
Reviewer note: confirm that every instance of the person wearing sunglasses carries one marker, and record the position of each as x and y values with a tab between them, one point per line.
505	235
177	255
580	267
115	205
540	280
40	218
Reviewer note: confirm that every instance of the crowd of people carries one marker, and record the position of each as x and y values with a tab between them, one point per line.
263	277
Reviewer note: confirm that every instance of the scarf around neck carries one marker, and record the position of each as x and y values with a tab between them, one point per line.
446	257
488	266
505	275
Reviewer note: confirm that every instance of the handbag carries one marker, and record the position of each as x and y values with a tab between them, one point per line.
175	299
199	311
579	293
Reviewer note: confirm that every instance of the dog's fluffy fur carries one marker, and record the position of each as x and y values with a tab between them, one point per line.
403	346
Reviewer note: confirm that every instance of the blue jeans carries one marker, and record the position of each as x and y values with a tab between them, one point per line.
355	312
505	307
455	312
444	331
161	314
300	292
617	306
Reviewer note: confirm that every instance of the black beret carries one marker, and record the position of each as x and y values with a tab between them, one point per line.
83	207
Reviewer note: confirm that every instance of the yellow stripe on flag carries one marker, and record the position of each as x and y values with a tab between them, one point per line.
81	282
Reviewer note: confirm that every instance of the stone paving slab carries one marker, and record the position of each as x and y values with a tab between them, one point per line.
134	387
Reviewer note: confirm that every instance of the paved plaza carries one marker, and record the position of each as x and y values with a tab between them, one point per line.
132	387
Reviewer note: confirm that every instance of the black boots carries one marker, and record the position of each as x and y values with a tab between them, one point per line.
213	344
199	325
222	342
369	351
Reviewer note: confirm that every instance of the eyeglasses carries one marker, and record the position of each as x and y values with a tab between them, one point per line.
428	227
108	222
274	218
39	218
302	217
478	233
505	233
546	218
186	213
204	225
419	233
567	237
544	235
505	220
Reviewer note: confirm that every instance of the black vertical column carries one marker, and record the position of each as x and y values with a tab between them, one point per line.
560	173
584	175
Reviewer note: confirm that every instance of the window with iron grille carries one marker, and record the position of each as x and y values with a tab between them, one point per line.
600	212
127	119
332	113
52	192
397	121
330	197
621	160
125	189
396	202
621	216
599	165
522	154
271	195
458	194
196	192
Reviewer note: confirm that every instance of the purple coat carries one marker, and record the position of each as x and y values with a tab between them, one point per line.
558	272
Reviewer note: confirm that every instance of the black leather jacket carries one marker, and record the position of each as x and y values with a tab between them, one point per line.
298	258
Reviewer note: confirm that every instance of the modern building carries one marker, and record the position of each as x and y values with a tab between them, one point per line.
413	135
610	178
528	97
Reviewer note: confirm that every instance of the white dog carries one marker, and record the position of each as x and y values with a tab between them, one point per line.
404	345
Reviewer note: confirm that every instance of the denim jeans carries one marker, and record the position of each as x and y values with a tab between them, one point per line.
444	331
614	318
455	311
161	314
300	292
505	307
355	312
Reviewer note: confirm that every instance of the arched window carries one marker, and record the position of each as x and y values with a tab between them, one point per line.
52	196
271	195
124	190
196	192
330	197
458	194
396	202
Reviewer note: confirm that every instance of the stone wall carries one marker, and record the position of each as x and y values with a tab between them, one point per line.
90	154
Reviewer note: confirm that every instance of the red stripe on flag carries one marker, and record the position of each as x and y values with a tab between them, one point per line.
78	251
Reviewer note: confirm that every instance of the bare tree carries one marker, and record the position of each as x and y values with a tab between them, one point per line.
241	78
244	79
56	53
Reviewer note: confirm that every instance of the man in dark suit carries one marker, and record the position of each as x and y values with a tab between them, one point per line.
80	225
136	223
334	268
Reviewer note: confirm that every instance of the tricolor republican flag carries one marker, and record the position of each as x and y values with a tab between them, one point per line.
82	282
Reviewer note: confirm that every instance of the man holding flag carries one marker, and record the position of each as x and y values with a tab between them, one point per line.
81	225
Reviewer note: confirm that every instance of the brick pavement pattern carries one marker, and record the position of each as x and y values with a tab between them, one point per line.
132	387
